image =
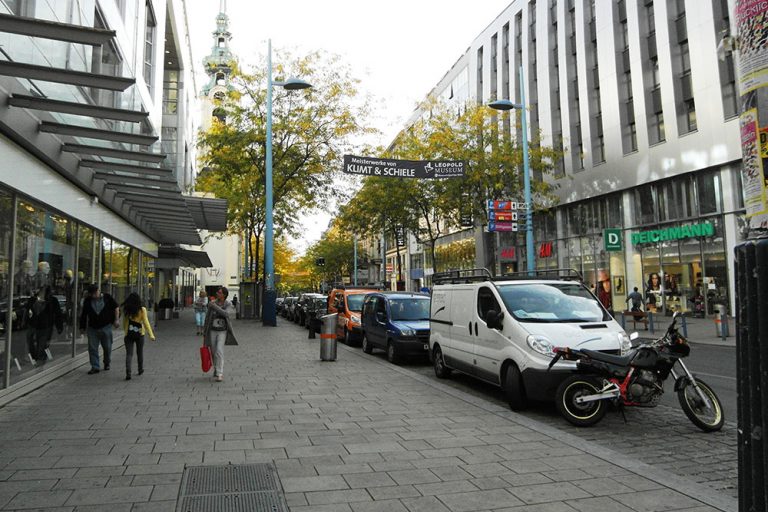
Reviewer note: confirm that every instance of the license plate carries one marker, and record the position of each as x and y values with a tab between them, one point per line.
426	346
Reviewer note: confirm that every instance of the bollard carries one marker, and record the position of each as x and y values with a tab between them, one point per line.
623	321
684	326
311	323
328	337
650	322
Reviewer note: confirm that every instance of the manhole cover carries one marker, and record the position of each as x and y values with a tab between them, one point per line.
231	488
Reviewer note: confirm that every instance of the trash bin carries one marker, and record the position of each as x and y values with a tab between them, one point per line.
328	337
165	313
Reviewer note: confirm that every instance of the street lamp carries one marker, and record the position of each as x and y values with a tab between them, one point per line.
269	312
505	104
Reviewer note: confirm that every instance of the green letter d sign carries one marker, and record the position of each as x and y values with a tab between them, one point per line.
612	238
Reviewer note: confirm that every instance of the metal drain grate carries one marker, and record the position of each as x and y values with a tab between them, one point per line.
231	488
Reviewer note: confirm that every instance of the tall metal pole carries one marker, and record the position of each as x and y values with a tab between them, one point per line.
354	238
526	180
269	313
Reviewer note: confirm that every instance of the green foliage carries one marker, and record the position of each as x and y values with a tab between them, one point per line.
311	132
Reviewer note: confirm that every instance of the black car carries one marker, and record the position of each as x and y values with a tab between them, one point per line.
314	308
301	312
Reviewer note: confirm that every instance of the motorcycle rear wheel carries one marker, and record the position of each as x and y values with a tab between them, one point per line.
581	415
708	419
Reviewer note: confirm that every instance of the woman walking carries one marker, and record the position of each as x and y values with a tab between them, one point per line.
218	330
136	325
201	304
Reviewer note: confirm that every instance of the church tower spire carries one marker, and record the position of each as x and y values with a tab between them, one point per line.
221	62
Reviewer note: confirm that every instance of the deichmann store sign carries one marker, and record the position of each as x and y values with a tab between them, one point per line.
392	168
675	233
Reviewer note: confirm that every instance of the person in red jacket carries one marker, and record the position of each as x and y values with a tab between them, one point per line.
100	313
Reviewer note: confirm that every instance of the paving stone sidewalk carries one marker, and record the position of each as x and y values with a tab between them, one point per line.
352	435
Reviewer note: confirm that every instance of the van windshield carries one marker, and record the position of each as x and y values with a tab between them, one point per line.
552	302
355	302
410	309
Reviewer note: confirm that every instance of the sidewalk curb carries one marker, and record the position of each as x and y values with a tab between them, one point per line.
660	476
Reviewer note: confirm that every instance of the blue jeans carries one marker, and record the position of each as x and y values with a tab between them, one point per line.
200	318
98	337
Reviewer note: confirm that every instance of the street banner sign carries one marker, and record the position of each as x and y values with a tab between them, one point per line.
502	226
502	216
612	239
392	168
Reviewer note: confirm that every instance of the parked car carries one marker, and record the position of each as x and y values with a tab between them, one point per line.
504	330
302	308
287	307
348	303
397	322
292	305
279	305
316	308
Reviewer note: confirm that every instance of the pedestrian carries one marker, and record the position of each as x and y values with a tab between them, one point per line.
135	325
100	313
44	313
636	298
218	330
234	301
200	306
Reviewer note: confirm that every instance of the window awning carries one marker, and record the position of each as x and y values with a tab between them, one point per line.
208	213
175	257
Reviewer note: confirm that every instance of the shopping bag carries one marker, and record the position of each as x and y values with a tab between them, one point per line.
205	358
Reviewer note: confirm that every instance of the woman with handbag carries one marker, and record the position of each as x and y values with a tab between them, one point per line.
136	325
218	330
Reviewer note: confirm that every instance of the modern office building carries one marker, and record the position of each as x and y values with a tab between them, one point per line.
96	158
645	112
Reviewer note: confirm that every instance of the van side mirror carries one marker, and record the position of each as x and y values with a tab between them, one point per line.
494	319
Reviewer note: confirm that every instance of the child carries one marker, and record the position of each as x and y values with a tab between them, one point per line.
200	310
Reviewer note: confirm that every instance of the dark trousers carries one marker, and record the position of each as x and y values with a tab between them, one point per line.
129	354
37	341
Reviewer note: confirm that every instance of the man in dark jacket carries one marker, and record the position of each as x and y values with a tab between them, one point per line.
100	313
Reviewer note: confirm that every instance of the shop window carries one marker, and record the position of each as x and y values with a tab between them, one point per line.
708	192
43	288
676	199
87	272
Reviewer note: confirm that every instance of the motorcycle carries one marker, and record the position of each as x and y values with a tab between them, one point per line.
635	379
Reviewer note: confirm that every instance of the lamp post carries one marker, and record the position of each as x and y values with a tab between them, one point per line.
269	312
505	104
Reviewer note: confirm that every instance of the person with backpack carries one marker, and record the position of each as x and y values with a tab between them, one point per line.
100	312
136	325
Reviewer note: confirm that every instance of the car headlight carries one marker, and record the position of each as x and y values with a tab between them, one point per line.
355	319
625	344
541	344
407	332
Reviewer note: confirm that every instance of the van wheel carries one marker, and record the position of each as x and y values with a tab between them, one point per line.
392	355
514	389
441	371
367	347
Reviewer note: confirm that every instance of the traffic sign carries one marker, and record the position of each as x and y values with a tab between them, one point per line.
502	226
502	216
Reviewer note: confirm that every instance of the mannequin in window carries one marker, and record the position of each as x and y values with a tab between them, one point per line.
42	278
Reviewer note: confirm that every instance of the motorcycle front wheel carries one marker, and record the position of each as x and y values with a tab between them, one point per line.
708	417
584	414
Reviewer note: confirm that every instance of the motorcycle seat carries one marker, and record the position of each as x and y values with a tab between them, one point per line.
608	358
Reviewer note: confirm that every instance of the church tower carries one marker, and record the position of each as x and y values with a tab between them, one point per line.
219	66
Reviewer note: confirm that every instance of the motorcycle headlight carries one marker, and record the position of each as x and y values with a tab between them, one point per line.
541	344
407	332
625	344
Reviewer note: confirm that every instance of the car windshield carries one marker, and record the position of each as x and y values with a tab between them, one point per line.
552	302
319	302
410	309
355	302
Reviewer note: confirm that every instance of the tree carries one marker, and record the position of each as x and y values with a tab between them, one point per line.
336	247
494	167
311	131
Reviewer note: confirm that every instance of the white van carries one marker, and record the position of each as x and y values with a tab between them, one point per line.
503	329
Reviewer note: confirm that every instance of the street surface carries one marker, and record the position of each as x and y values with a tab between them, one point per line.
354	435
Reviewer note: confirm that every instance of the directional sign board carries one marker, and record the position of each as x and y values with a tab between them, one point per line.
503	215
